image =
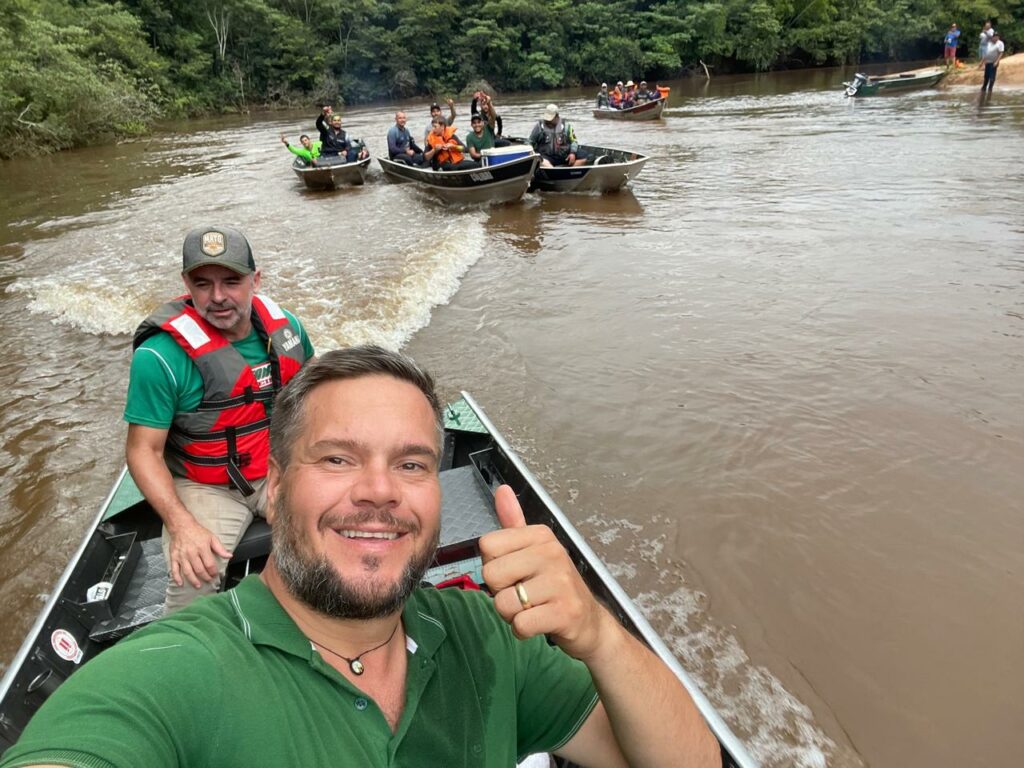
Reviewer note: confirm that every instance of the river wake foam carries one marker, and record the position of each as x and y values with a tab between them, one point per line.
777	729
370	290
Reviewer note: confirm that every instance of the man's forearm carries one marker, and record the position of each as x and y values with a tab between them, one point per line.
633	682
156	484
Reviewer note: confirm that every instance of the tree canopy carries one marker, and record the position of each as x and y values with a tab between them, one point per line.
74	72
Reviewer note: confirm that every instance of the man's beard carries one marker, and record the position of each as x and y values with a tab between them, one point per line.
312	579
221	324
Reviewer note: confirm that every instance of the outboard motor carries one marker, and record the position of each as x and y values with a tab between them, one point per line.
854	85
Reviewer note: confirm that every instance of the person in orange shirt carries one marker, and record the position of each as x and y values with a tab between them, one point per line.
615	99
446	150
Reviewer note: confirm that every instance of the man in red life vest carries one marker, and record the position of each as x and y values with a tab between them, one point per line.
204	373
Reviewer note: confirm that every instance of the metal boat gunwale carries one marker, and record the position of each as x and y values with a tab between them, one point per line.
32	638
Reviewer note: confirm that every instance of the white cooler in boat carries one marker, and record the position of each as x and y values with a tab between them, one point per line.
499	155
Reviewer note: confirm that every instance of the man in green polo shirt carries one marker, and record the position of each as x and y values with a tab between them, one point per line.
335	656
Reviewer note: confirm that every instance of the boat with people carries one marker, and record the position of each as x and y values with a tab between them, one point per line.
899	82
646	110
607	170
503	177
114	583
331	172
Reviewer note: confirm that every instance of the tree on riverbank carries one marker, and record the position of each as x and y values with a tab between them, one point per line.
74	72
69	76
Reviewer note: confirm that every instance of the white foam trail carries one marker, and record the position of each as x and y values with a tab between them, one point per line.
93	304
369	294
777	729
422	275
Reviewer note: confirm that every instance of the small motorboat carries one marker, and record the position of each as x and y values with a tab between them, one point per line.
899	82
331	172
648	110
503	182
115	581
607	170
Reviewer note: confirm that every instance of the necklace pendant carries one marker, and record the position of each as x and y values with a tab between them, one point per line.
356	666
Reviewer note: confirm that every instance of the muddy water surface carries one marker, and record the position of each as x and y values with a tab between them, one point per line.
779	383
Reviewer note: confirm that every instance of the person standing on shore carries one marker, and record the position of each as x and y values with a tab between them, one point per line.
986	38
993	53
951	42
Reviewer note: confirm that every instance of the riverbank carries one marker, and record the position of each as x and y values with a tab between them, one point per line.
1011	72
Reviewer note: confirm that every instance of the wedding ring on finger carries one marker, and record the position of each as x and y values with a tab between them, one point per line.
524	598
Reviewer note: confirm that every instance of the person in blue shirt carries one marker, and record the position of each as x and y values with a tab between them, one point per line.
951	41
402	148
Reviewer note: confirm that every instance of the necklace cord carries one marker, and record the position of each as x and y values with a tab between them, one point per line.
354	663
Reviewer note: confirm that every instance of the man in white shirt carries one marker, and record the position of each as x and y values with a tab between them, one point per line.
993	53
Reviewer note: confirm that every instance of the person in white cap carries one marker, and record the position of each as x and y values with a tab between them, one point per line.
602	97
555	141
205	370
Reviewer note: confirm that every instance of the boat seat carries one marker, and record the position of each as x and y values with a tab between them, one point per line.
255	542
144	599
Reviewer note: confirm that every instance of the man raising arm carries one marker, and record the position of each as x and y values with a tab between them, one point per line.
538	590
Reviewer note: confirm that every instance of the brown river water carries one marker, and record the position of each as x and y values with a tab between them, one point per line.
779	383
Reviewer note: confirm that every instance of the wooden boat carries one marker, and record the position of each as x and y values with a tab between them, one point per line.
331	172
607	170
123	549
503	183
881	85
648	110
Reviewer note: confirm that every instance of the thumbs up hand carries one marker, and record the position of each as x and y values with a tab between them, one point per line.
536	587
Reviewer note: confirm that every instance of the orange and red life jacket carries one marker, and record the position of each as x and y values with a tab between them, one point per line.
444	155
225	441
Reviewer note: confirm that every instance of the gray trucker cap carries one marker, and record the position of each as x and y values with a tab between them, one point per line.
222	246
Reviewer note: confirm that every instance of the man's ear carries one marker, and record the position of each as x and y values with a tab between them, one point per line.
273	487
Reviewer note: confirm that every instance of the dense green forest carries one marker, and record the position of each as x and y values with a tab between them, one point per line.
74	72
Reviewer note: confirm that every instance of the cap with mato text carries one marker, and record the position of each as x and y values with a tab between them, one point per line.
220	246
551	112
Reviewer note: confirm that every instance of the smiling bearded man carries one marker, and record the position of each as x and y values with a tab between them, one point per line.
334	655
312	579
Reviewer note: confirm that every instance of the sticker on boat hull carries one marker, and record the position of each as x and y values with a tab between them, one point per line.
65	646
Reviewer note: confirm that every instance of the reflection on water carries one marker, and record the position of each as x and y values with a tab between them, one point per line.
522	226
777	382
